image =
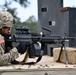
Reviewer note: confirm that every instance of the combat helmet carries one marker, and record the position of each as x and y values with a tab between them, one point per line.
6	19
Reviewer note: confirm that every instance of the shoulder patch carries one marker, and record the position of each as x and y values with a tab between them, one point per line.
1	40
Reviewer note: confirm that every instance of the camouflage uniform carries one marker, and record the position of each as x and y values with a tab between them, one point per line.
6	19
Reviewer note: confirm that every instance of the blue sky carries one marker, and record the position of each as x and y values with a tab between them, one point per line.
24	14
30	10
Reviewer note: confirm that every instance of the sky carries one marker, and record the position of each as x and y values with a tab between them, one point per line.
29	11
25	13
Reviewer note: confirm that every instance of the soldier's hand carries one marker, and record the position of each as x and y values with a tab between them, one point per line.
22	47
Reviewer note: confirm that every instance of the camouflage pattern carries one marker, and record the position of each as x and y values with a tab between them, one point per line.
6	19
7	57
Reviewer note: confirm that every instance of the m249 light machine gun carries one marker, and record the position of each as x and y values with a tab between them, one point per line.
36	42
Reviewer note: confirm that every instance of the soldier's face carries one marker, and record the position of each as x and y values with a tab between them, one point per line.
5	30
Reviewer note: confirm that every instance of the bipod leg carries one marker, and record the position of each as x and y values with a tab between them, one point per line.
60	53
67	61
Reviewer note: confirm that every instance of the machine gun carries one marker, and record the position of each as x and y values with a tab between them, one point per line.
36	42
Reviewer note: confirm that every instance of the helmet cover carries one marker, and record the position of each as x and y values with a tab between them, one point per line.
6	19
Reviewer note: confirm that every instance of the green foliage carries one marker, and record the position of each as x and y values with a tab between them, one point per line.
7	4
33	26
31	23
31	19
23	3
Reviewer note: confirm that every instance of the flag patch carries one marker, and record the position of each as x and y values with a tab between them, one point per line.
1	40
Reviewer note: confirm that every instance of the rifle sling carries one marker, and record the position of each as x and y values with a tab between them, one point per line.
26	63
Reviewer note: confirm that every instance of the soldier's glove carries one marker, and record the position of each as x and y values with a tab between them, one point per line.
22	47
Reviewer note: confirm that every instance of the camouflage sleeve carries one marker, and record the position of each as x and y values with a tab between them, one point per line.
8	57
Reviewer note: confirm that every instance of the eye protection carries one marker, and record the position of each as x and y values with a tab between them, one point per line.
7	28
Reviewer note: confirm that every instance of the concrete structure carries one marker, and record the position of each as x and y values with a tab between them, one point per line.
59	20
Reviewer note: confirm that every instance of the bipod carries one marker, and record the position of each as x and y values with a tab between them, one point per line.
66	55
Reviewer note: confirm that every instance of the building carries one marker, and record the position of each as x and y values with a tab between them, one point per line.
58	19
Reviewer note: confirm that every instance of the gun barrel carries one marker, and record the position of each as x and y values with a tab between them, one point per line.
32	38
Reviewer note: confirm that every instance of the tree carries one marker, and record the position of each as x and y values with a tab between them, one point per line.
7	3
31	23
31	19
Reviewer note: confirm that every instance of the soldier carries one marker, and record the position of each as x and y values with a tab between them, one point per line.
6	23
